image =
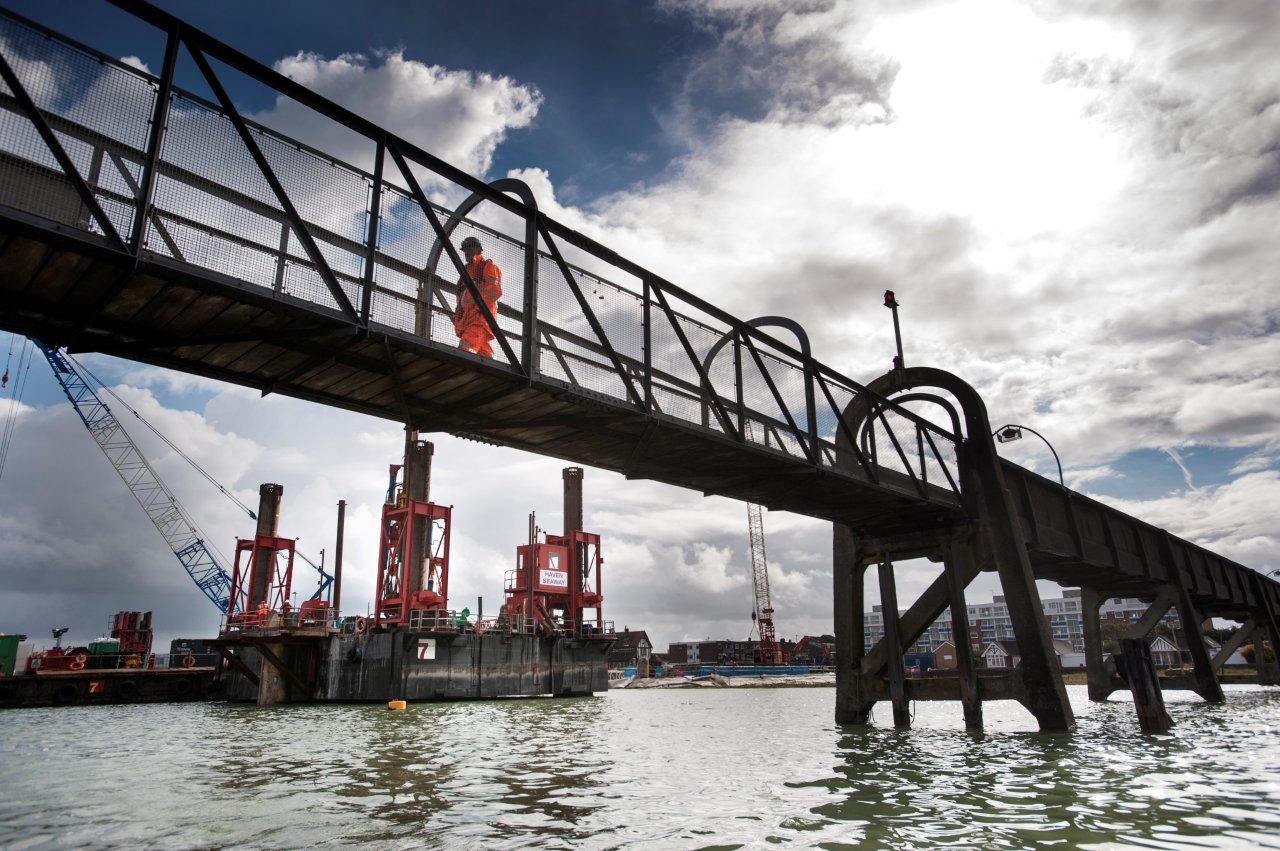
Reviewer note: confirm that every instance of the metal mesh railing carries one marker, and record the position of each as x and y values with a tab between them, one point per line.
602	327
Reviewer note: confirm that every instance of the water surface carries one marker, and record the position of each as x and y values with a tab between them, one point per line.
722	767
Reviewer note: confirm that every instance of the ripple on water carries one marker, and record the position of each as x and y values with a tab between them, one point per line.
693	768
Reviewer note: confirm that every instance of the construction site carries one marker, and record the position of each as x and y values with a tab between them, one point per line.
549	636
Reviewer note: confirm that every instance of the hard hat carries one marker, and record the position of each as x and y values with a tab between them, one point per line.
471	242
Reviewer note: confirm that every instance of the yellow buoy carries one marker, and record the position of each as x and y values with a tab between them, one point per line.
397	705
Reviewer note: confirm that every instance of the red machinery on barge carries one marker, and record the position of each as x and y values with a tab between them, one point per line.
549	638
118	669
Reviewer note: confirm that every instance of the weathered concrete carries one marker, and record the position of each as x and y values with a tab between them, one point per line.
893	643
271	685
1140	673
996	529
1193	637
958	556
416	666
1097	676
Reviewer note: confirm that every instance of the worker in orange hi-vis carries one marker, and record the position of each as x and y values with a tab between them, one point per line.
474	334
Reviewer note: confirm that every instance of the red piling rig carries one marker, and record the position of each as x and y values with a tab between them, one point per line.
413	556
557	581
564	573
264	553
133	631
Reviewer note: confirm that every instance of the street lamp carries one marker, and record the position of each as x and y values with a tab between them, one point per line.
1013	431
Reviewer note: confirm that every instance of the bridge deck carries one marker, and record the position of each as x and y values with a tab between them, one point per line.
147	222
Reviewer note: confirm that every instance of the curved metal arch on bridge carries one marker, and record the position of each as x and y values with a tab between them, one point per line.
942	402
512	186
993	529
802	337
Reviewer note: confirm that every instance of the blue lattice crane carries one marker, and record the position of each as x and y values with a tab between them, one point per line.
178	529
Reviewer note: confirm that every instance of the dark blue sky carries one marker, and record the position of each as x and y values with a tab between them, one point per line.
606	68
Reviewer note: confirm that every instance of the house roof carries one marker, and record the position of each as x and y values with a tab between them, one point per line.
1062	647
1161	644
1004	645
630	639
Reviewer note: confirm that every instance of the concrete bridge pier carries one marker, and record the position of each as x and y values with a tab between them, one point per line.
1206	679
848	593
1097	673
1268	672
991	538
959	564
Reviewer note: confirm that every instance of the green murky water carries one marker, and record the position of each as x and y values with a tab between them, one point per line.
742	767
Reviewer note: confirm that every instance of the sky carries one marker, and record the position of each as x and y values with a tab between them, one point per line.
1076	204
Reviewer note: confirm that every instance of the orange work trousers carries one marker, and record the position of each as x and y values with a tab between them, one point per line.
475	337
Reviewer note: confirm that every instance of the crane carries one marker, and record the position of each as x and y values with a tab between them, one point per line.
166	513
770	653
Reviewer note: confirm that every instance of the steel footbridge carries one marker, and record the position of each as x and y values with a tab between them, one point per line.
149	222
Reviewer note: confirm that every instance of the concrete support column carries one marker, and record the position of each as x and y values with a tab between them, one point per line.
1206	678
1148	700
1268	672
1096	673
1044	695
849	599
271	686
1271	631
1207	685
269	497
893	643
971	700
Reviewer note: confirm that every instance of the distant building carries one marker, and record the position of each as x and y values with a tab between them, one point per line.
1068	655
944	656
632	647
1164	653
1236	658
723	652
990	622
1001	654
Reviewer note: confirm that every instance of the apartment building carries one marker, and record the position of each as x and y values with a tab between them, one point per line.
989	622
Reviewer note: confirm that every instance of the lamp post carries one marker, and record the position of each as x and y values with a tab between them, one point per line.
891	302
1013	431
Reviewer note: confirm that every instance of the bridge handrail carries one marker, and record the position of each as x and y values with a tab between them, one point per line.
820	448
295	91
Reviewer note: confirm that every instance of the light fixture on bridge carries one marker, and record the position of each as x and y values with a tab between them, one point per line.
1013	431
1008	434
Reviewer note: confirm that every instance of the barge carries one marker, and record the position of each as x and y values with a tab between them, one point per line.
116	669
549	637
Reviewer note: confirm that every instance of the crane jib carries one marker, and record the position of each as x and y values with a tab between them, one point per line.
166	513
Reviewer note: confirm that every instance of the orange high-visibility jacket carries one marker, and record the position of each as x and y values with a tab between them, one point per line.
488	279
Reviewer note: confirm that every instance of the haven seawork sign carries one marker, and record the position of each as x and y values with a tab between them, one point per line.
553	580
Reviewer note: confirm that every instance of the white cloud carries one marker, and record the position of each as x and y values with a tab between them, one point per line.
460	116
135	62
